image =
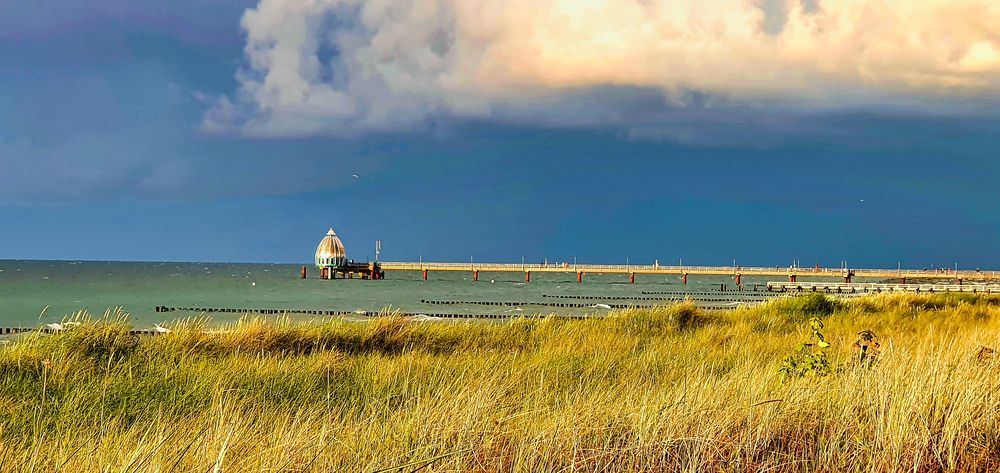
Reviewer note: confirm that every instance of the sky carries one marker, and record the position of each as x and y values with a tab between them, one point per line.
763	131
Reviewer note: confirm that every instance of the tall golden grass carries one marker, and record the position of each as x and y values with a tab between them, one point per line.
672	388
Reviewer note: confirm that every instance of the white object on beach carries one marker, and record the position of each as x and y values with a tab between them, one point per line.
160	329
600	306
55	326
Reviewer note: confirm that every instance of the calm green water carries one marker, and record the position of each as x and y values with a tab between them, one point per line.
27	287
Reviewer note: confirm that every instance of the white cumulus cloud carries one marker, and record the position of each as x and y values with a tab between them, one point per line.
345	66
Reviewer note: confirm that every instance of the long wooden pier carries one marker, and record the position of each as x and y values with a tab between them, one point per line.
632	269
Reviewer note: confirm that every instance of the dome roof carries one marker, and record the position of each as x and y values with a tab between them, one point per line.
330	250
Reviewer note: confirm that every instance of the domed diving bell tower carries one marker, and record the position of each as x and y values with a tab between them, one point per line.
330	255
331	259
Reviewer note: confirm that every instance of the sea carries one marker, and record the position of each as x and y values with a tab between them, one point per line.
36	292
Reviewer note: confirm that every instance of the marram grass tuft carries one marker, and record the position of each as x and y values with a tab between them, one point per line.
912	385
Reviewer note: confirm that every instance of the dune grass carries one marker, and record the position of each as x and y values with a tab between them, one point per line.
664	389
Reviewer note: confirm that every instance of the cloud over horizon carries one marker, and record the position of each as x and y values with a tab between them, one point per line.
347	66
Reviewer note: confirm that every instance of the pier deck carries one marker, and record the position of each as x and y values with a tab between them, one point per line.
696	270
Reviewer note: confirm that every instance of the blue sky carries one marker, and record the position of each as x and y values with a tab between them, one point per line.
154	132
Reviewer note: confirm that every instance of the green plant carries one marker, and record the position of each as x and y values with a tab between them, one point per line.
810	359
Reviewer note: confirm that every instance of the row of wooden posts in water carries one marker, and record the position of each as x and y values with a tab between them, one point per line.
50	330
362	313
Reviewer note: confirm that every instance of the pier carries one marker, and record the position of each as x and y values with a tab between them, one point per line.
631	270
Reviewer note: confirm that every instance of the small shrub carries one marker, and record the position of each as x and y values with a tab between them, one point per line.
687	316
659	321
818	304
801	308
810	359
